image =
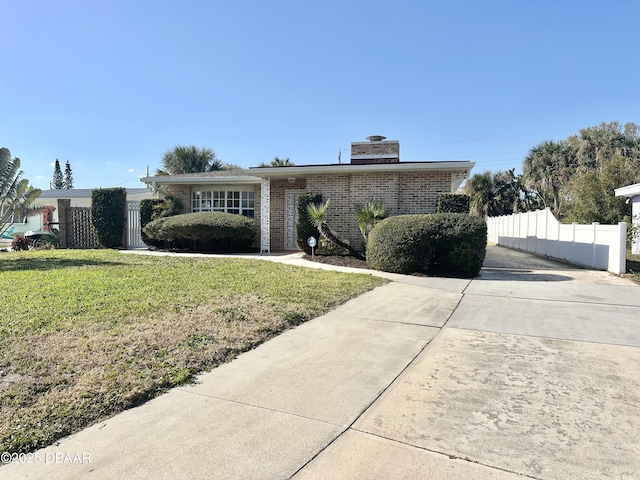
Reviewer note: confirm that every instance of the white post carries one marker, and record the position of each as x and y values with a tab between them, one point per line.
265	215
594	246
618	257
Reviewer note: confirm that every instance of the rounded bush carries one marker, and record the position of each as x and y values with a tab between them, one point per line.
442	243
400	244
208	231
459	244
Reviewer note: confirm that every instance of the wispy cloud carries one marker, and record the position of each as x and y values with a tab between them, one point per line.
131	170
39	177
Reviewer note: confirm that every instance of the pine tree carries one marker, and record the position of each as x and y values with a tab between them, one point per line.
68	176
58	181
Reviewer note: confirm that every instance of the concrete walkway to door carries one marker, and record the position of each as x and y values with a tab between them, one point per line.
531	370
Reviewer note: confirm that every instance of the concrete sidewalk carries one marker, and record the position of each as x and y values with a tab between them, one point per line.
529	371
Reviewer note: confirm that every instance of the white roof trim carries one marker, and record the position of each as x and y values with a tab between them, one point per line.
355	168
182	180
306	170
628	191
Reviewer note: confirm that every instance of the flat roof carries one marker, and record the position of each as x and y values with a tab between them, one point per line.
82	192
254	175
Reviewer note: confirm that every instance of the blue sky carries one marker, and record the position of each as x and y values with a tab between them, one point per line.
111	85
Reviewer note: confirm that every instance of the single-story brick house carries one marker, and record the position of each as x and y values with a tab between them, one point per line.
268	194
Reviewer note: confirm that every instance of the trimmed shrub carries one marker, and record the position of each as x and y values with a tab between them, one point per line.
153	208
204	231
441	243
108	215
146	215
304	228
453	203
459	244
400	244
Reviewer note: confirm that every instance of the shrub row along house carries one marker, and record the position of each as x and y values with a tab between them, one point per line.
269	194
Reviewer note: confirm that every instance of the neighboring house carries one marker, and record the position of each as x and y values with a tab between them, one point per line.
80	197
268	194
632	192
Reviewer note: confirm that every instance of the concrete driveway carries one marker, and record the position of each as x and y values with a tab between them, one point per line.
531	370
535	375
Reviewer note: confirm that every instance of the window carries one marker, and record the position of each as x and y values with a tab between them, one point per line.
14	218
229	201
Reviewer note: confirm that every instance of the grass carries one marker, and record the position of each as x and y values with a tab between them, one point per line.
87	334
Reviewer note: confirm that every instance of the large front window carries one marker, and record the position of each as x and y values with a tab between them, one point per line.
229	201
13	218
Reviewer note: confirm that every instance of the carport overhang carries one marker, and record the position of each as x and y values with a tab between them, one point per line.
632	192
629	191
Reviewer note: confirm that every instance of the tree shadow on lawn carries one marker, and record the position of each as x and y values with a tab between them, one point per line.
26	264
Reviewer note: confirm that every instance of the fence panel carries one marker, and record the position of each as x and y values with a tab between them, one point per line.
81	232
601	247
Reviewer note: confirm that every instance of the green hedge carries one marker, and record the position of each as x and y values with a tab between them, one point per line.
108	215
204	231
441	243
453	203
304	228
146	215
153	208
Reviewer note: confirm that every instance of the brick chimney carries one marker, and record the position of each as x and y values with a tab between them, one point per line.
376	150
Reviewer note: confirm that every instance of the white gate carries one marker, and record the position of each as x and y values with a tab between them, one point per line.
134	240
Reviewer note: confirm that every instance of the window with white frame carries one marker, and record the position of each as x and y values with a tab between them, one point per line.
229	201
14	218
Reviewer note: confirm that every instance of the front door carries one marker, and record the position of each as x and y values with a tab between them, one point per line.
290	218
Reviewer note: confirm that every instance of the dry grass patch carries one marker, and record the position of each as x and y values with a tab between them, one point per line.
62	372
633	267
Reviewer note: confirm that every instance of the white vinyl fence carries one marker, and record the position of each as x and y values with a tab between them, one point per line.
601	247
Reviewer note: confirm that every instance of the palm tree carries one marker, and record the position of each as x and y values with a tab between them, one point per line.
548	168
318	217
189	159
278	162
480	188
492	194
16	195
369	214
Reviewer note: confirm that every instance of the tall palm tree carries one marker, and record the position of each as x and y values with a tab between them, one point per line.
189	159
548	168
318	217
16	195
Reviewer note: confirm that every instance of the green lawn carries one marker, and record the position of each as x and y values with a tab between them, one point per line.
86	334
